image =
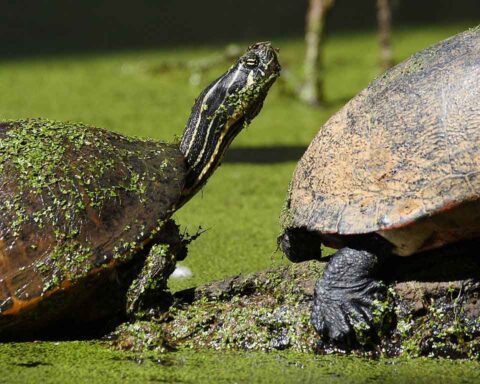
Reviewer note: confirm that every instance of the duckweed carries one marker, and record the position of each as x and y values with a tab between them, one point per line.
66	190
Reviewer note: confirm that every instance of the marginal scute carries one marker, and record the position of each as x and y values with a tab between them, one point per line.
75	200
405	148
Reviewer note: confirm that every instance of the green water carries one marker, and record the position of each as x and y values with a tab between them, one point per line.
83	362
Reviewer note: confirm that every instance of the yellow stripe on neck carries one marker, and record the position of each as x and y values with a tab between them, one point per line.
213	158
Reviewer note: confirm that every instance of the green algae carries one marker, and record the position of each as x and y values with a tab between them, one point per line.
140	337
59	178
87	362
447	327
260	312
62	159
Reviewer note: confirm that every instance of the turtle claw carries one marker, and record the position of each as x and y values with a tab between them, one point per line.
346	299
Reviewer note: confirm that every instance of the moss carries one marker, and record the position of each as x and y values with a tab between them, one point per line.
140	337
383	311
263	313
69	259
286	215
444	327
270	310
242	325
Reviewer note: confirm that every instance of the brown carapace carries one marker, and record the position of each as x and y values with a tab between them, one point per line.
75	202
402	158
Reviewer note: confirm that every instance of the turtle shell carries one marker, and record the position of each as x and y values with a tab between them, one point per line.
76	202
402	151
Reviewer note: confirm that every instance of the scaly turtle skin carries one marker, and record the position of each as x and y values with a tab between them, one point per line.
85	229
395	172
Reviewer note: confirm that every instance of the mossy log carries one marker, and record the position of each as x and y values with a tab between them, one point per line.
432	311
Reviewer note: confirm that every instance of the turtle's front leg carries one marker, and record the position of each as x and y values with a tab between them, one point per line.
148	294
349	299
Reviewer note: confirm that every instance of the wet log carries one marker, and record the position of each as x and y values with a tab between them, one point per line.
432	310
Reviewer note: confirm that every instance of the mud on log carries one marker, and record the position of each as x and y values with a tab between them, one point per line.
432	311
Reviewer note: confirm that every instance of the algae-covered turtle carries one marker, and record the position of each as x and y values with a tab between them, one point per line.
81	207
396	172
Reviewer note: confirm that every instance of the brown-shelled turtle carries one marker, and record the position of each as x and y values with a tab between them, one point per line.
85	228
396	172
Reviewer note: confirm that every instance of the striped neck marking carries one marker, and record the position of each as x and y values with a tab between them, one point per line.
223	109
209	133
204	107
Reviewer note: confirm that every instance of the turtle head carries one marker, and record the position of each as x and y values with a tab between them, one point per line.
223	109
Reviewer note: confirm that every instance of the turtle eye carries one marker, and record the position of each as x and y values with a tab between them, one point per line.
251	61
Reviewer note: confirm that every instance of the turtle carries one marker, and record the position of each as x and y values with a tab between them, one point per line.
86	233
394	173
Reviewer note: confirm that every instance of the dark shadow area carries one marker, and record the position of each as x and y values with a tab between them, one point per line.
265	155
64	26
67	26
458	261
